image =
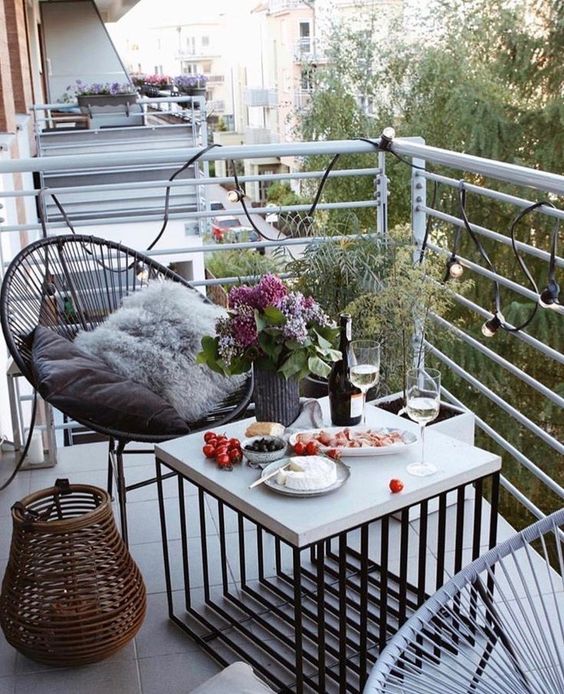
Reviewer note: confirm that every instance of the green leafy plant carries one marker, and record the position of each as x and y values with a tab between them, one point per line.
240	263
399	310
274	328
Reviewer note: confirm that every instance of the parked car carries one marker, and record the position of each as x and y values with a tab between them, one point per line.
229	230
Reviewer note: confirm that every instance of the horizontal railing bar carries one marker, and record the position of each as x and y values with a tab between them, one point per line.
140	100
81	161
110	143
488	233
233	280
335	173
516	371
93	133
249	245
498	170
517	288
193	215
520	334
511	173
490	193
510	448
525	421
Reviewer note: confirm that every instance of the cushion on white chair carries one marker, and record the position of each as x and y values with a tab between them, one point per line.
238	678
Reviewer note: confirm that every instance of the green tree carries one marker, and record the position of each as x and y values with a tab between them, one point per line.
485	78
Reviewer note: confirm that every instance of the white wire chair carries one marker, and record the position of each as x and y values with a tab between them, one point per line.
496	627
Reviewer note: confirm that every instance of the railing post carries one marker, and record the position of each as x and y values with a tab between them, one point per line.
381	192
418	226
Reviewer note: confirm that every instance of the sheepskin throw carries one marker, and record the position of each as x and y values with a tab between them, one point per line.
154	338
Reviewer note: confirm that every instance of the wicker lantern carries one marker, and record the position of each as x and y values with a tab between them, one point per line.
71	594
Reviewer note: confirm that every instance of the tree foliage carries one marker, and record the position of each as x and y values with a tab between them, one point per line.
483	77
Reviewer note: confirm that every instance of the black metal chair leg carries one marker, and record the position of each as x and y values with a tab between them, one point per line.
122	491
110	484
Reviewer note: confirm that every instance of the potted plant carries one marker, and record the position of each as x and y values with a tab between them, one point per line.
377	281
104	95
335	273
408	293
191	85
281	334
154	84
138	80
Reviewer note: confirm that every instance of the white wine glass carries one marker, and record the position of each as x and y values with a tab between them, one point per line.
364	370
423	402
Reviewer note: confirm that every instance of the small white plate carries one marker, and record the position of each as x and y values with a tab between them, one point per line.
408	439
343	474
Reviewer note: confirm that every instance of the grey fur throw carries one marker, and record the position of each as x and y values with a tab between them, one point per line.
154	338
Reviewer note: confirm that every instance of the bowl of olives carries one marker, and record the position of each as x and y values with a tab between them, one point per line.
261	450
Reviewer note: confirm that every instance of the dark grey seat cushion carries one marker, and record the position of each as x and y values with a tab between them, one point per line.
153	339
87	389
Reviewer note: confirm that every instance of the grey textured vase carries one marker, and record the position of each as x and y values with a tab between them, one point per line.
276	399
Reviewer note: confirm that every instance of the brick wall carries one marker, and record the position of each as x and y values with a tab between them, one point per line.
19	58
7	106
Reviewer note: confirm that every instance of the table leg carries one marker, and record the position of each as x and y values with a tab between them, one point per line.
298	636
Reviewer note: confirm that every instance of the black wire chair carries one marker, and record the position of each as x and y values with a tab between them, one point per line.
72	283
497	627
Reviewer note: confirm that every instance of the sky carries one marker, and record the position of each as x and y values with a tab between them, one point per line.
162	12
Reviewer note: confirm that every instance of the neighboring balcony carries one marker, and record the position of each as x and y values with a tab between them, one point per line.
265	98
309	50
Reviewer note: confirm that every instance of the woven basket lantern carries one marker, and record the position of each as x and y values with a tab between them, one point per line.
71	594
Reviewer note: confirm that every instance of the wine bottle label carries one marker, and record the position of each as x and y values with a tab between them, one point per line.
357	401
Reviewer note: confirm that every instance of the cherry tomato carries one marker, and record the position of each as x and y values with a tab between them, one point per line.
234	443
223	460
209	435
235	456
299	448
221	450
333	453
396	486
209	450
311	448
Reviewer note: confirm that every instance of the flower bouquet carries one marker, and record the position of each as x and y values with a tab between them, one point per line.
274	328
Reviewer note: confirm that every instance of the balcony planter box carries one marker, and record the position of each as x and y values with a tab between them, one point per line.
459	425
90	103
110	110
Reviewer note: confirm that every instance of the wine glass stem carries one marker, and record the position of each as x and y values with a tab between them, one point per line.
363	408
422	430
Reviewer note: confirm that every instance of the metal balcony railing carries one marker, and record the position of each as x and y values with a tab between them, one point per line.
533	467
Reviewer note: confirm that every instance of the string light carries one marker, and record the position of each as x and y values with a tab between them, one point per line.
235	195
492	325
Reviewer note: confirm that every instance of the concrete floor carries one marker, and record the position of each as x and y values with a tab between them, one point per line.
161	658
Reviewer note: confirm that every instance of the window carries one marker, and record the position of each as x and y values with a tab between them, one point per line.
305	37
205	41
206	67
307	79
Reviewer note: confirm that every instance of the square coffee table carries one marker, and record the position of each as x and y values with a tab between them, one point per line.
308	590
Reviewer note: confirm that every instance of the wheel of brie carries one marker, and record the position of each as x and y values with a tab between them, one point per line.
308	473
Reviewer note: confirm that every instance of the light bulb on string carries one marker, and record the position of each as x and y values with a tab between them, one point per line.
235	195
491	326
454	267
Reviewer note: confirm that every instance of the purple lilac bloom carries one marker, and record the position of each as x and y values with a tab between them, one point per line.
295	327
244	327
270	291
241	296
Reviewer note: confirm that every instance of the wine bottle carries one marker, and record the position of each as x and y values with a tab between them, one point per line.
345	399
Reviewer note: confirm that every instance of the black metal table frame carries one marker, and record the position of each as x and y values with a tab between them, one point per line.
339	604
